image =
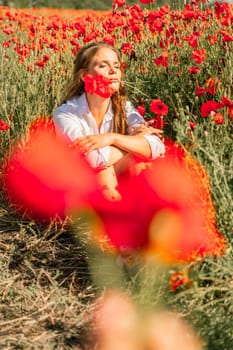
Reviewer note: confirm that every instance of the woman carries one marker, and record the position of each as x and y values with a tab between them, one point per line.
96	117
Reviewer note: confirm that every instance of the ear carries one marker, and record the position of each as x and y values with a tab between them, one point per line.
83	72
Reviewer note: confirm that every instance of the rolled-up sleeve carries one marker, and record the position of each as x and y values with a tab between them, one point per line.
134	120
98	159
156	145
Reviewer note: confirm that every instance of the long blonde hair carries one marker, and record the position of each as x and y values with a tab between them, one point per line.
76	87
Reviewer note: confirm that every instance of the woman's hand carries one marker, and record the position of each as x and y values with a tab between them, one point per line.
145	129
87	144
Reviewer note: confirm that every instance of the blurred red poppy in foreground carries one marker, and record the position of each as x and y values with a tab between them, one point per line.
44	178
166	212
41	124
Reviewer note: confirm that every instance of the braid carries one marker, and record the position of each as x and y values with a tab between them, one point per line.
120	124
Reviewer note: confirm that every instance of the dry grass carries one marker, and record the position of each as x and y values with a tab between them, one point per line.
46	293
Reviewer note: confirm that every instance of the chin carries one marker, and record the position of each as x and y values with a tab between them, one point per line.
115	86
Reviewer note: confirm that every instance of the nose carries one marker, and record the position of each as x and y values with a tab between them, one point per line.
112	70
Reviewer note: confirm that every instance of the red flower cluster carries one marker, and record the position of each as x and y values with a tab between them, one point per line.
146	2
211	108
99	85
212	86
199	55
8	31
193	70
161	60
160	109
41	63
179	279
118	3
4	126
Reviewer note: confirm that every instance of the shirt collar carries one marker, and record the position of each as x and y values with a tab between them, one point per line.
83	108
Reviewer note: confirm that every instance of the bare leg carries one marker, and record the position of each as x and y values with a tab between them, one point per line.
131	164
107	180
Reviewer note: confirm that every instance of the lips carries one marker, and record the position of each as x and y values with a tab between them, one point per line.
114	80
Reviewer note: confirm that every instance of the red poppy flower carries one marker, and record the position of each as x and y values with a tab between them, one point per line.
193	70
4	126
6	44
192	125
161	60
212	39
141	109
118	3
8	31
199	55
208	107
226	102
40	64
218	118
227	37
99	85
146	2
200	91
157	122
127	48
230	112
212	85
178	279
192	40
158	107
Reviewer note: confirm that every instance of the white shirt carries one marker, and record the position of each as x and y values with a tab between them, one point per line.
74	119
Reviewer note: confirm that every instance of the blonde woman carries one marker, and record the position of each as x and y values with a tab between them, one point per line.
104	125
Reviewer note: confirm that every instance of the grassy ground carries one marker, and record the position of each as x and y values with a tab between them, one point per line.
46	294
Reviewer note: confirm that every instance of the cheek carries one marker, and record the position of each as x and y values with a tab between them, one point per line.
115	86
94	71
119	75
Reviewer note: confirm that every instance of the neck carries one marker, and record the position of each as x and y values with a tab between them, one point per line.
98	106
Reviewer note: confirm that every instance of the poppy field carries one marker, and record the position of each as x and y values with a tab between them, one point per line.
176	220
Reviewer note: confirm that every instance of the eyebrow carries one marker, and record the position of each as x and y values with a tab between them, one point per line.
105	61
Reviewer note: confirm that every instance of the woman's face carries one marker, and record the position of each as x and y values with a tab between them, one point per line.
106	63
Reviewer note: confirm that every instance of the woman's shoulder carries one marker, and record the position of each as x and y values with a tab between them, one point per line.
132	114
129	107
75	106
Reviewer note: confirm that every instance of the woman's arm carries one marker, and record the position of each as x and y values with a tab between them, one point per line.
137	145
143	145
